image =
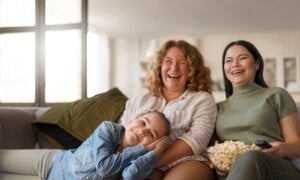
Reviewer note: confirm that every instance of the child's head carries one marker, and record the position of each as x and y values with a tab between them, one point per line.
146	128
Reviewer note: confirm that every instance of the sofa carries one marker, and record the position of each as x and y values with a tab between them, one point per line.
16	130
63	126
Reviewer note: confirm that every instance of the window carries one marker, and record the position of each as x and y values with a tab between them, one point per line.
98	62
17	13
17	67
42	51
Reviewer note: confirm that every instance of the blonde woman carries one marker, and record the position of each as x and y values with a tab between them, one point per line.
180	86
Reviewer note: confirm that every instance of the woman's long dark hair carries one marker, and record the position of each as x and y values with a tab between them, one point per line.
259	78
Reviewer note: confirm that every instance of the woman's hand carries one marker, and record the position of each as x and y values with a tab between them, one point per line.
219	172
279	149
210	164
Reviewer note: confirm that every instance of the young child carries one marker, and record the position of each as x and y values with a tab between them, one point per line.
111	152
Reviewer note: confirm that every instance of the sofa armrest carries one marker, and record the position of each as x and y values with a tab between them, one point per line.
15	129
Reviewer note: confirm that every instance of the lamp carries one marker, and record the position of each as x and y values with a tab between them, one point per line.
151	50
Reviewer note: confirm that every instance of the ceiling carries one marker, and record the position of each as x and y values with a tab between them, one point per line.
150	18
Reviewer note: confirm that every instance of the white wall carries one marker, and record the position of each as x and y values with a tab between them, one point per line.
277	45
126	66
129	52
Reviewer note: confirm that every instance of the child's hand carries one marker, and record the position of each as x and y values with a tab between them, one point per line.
162	144
151	146
159	145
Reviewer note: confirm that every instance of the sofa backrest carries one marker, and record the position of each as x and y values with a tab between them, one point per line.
15	128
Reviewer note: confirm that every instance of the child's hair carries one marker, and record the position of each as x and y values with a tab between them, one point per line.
162	116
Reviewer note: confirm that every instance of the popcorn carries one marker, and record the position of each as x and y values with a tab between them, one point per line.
223	155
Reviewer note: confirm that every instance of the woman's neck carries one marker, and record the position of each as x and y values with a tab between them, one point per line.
171	95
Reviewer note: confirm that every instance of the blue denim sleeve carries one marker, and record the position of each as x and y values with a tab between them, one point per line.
104	142
140	168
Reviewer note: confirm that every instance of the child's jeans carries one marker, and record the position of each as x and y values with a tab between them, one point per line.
34	162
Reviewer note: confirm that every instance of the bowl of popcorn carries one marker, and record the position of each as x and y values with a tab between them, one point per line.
223	155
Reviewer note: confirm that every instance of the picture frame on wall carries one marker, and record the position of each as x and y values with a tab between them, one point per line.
290	81
270	72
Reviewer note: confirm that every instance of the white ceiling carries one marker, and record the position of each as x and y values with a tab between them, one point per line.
149	18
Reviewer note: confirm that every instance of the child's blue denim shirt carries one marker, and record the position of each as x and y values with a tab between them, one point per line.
98	158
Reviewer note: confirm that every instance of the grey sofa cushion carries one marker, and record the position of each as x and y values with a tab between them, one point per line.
16	138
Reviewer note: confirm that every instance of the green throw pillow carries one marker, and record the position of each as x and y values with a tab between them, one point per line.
67	125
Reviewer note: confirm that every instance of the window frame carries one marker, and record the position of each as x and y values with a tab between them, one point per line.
40	29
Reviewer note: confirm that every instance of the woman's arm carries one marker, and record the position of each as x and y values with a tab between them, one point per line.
177	150
197	136
290	148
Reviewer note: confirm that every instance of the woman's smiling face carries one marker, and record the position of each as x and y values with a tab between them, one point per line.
240	67
175	70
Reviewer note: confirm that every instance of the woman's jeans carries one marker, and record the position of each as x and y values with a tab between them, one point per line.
34	162
262	166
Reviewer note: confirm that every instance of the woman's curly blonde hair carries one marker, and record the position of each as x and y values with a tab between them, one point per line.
199	78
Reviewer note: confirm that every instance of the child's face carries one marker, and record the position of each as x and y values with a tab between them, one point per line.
144	130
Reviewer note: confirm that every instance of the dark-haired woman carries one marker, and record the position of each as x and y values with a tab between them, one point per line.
253	111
